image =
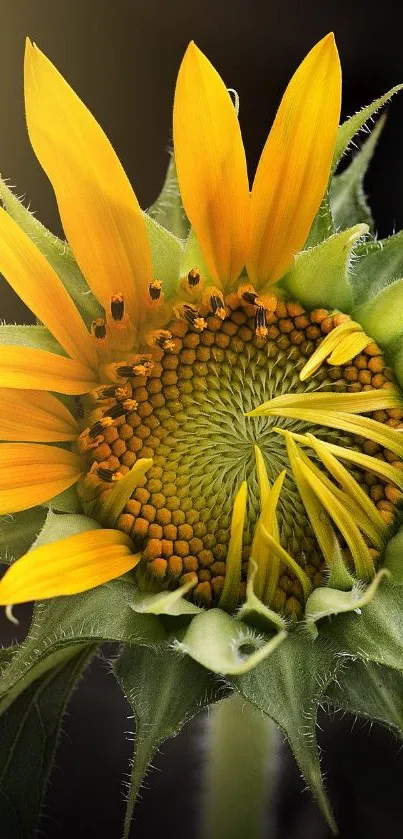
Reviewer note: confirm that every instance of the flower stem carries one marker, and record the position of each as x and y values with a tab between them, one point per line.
241	749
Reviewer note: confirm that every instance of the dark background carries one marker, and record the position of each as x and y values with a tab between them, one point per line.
122	56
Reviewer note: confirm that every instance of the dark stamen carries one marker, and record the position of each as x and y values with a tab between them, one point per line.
217	306
117	306
249	297
155	289
260	322
121	408
105	474
193	277
98	328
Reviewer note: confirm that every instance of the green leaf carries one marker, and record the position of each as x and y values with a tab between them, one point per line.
59	526
65	624
374	635
166	253
226	645
320	275
37	337
288	687
322	225
168	209
377	264
354	124
57	252
18	532
381	316
325	601
66	502
348	202
29	734
371	691
164	690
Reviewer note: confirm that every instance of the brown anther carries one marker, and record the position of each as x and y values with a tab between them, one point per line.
154	290
107	475
86	442
121	408
217	306
260	322
98	329
117	306
162	339
105	393
249	297
98	427
193	316
193	277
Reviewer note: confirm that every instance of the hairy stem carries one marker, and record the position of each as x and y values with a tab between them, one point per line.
239	776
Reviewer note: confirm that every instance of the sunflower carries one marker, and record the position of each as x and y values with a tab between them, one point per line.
212	405
196	402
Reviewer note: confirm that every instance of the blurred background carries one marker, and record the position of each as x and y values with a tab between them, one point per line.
122	58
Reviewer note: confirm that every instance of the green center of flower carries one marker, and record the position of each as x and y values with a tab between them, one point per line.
188	413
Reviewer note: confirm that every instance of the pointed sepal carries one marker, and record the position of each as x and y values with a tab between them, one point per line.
371	691
164	690
224	644
288	687
168	209
354	124
347	198
321	274
375	634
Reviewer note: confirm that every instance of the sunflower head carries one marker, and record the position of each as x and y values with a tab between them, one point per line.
229	411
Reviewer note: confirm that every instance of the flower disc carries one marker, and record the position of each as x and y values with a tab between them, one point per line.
190	417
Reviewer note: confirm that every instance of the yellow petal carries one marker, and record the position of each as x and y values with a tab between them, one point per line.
37	284
75	564
35	417
98	208
294	168
230	594
31	474
211	166
24	367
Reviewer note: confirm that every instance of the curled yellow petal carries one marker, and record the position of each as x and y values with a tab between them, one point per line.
35	416
211	166
38	285
353	403
327	347
294	168
98	208
32	473
24	367
69	566
230	594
